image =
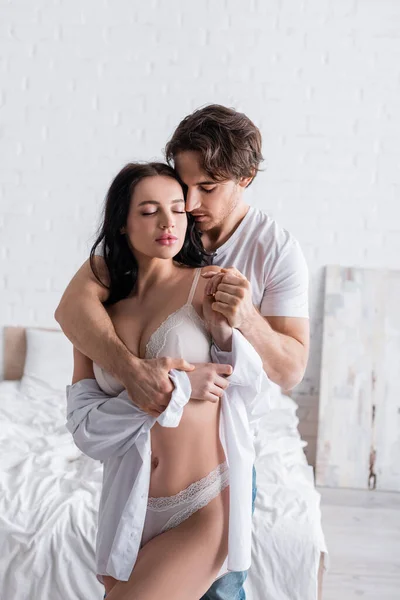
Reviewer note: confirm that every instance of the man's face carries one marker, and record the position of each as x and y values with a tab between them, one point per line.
210	202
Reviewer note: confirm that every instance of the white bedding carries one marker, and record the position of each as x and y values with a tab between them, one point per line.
49	493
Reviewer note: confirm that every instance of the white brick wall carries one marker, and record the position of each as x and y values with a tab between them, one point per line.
88	86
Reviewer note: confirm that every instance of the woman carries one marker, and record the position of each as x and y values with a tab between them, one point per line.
158	307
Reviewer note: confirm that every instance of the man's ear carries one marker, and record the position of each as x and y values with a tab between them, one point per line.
245	181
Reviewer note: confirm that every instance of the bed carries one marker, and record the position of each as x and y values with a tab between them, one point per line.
50	491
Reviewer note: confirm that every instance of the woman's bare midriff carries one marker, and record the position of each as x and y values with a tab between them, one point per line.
184	454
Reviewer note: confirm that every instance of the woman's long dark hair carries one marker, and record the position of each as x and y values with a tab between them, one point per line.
121	264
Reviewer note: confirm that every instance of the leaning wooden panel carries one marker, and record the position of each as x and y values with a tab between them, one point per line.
387	385
359	432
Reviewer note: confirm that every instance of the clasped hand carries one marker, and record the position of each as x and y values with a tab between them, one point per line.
231	296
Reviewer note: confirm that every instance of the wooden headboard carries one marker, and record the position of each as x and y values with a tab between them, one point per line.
14	352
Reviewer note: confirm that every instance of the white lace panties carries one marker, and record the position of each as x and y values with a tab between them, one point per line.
169	511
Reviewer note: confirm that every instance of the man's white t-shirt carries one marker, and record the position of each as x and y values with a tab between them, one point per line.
272	260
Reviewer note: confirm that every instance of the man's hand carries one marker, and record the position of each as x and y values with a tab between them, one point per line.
232	295
208	381
149	385
151	388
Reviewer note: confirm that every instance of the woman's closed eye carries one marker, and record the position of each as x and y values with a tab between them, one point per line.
177	212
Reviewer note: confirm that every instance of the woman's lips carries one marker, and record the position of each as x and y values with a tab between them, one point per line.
167	241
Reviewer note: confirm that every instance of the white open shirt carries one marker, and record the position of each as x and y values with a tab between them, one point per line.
116	432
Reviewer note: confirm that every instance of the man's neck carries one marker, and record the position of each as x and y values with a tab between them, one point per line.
216	237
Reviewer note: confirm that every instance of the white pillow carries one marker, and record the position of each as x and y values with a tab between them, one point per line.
49	361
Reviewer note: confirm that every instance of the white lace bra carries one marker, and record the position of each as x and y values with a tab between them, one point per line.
182	335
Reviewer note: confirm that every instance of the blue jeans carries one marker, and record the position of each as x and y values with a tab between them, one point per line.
230	586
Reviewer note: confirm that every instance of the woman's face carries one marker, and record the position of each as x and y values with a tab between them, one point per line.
157	220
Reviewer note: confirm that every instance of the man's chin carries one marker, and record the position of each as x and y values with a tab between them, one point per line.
204	226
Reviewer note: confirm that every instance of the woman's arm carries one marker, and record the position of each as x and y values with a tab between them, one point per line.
217	324
83	367
97	421
246	362
104	426
222	337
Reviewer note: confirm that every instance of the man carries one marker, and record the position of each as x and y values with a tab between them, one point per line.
262	291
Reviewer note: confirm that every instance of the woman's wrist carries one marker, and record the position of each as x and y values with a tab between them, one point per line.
222	337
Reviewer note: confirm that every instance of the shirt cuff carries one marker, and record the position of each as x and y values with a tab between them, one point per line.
180	397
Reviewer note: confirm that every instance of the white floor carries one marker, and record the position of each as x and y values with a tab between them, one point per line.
362	532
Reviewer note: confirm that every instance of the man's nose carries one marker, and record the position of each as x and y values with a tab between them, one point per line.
193	200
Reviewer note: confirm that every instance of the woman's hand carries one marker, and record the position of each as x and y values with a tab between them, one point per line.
216	322
209	381
211	317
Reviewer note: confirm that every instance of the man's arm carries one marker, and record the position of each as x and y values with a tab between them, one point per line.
281	341
87	325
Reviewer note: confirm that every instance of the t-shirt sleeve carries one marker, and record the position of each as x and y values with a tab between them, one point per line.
286	289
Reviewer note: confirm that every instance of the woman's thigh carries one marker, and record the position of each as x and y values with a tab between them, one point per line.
183	562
